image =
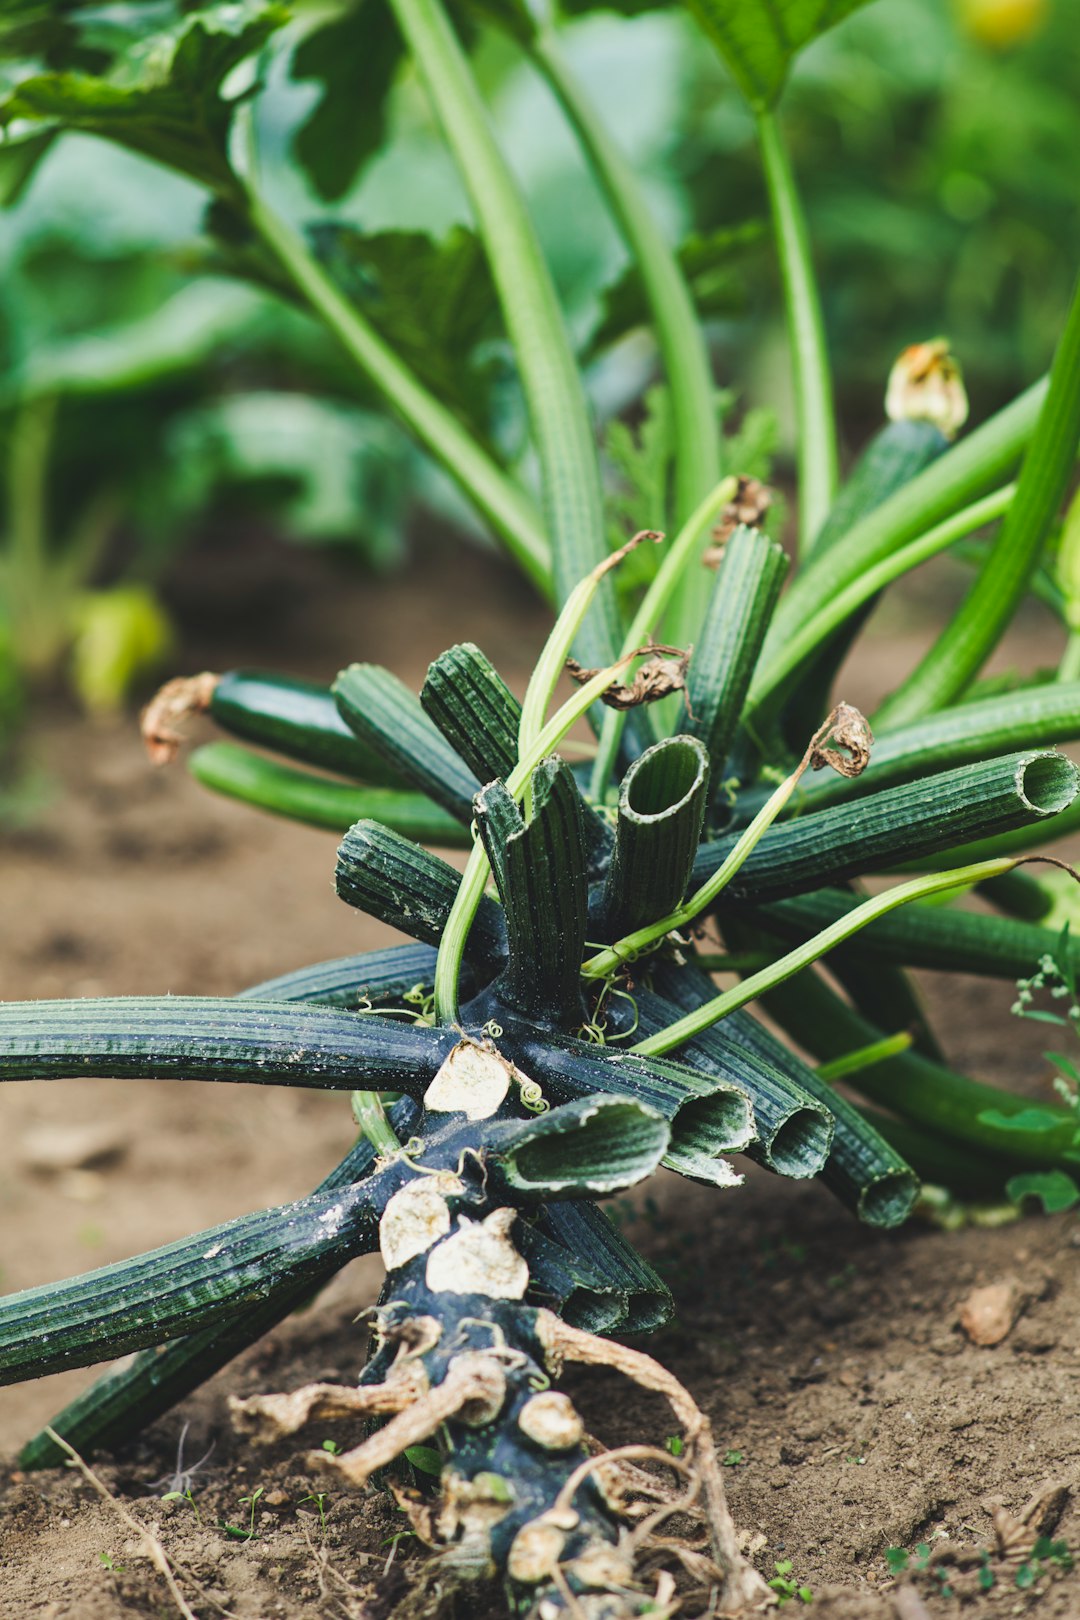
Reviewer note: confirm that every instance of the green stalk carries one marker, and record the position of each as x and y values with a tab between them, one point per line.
505	506
805	641
650	614
558	411
962	474
679	334
815	416
607	961
864	1057
742	602
370	1116
1069	668
552	661
945	1104
942	939
758	983
474	879
317	800
965	733
661	809
974	631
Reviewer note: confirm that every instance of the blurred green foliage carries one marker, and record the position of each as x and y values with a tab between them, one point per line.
935	146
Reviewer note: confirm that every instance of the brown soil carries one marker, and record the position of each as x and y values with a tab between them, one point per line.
855	1414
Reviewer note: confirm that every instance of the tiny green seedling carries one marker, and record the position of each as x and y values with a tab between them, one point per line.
786	1587
1045	1553
319	1499
675	1445
184	1496
900	1560
424	1459
246	1532
732	1459
332	1447
105	1559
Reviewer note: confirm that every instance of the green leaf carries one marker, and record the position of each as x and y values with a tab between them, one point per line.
759	39
1053	1188
706	263
425	1459
1031	1121
356	58
432	300
163	98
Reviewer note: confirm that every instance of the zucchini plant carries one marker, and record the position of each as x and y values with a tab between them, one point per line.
542	1045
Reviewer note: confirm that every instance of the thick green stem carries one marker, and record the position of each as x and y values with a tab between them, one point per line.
814	413
813	633
607	961
975	629
505	506
679	334
558	410
677	561
970	469
471	889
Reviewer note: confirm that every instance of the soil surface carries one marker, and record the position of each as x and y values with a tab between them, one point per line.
853	1413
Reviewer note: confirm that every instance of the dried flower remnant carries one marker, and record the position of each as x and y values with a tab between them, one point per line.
850	730
748	508
926	385
663	672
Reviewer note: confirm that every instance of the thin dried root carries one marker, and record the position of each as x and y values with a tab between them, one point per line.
187	694
266	1418
474	1389
743	1588
154	1550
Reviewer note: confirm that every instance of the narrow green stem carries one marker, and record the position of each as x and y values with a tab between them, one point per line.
555	396
370	1114
814	411
814	632
649	616
758	983
1069	667
502	502
864	1057
975	629
552	661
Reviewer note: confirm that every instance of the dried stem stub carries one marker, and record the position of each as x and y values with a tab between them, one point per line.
187	694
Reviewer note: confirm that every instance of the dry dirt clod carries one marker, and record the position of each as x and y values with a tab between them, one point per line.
988	1314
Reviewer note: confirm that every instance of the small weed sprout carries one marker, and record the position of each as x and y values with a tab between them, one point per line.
242	1532
319	1499
786	1587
